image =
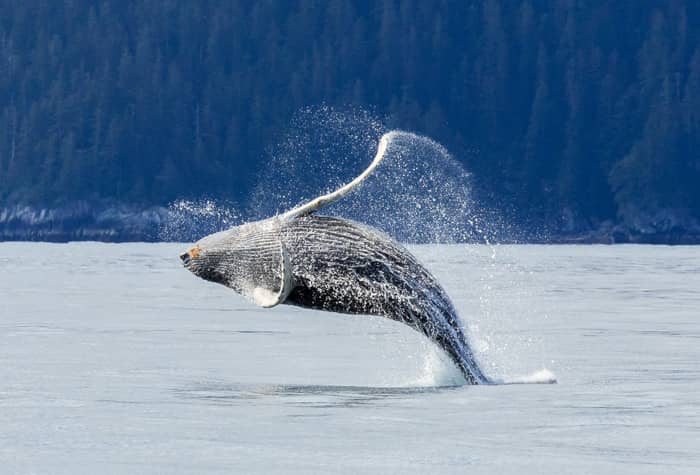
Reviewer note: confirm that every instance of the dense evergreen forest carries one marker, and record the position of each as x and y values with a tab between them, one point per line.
583	110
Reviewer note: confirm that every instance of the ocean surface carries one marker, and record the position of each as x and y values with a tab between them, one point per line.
116	360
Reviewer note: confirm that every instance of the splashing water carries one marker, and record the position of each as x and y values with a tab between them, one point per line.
419	193
543	376
324	149
436	370
190	220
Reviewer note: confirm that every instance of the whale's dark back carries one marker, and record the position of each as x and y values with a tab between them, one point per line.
343	266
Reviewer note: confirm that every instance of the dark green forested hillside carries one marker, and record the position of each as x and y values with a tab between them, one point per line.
588	110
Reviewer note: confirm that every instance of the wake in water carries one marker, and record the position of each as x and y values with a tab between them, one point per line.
543	376
435	370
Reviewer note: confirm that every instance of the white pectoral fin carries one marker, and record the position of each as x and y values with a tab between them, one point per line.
334	196
268	298
265	297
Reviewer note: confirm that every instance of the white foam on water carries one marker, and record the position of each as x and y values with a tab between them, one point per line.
543	376
437	371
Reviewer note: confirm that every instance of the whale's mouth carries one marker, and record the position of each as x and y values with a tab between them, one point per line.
189	256
197	263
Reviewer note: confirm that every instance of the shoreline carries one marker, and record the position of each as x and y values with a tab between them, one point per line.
115	223
116	237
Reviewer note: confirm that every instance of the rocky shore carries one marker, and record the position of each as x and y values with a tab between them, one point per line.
666	226
82	221
112	222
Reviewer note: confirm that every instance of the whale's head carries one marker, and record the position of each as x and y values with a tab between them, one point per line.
250	259
209	265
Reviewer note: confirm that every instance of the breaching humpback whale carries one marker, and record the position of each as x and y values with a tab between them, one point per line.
327	263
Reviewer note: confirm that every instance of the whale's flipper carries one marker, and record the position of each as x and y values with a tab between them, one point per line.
267	297
324	200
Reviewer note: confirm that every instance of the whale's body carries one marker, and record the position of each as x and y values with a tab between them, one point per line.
337	265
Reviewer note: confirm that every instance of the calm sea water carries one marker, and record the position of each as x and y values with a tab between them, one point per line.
114	359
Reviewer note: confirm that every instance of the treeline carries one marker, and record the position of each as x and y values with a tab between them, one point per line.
589	110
